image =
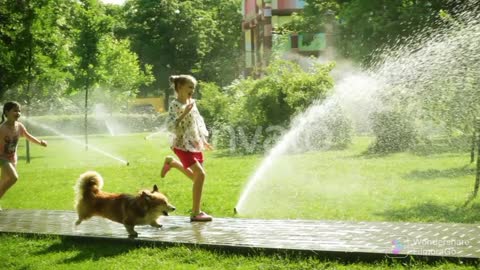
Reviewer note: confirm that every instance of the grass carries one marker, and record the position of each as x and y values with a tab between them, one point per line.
346	185
352	185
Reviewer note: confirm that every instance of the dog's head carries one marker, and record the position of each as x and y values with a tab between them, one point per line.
156	201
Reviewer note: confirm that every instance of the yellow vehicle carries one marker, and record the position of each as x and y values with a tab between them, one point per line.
146	104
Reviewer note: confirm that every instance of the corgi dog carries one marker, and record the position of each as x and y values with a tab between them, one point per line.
143	208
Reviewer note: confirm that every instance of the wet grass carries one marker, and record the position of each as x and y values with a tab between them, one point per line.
352	185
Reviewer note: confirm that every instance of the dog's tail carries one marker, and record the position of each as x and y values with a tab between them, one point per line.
88	185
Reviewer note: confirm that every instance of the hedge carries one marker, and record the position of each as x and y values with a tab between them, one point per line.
74	124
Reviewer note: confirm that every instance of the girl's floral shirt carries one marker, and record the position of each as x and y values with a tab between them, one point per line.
190	133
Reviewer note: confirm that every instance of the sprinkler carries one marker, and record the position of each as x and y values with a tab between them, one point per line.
128	163
235	210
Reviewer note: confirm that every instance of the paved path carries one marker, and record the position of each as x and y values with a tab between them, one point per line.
331	238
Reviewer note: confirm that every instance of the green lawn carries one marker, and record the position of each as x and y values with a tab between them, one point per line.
351	185
346	185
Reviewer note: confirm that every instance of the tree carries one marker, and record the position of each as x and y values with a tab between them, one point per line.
197	37
313	18
93	24
10	26
32	52
367	26
120	72
37	57
224	61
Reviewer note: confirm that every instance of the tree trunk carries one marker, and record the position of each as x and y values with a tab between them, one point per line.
472	151
30	16
477	174
477	178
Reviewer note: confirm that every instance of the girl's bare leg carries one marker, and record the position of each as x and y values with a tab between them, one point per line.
8	178
196	173
178	165
198	180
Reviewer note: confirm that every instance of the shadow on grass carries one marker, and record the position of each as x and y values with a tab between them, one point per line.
436	146
434	212
24	158
87	249
94	250
434	173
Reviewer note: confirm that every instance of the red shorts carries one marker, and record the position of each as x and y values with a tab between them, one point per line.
188	158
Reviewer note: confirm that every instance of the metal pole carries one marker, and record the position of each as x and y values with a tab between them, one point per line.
86	117
29	74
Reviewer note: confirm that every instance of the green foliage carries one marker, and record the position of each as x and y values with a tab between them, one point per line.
256	112
196	37
15	23
284	91
314	18
34	48
340	129
74	124
92	25
368	26
454	103
224	59
52	49
394	132
213	103
120	73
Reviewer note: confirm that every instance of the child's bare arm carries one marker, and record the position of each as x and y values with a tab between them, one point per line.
188	108
35	140
32	139
208	146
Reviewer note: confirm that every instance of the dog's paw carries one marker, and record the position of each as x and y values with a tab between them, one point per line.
156	225
133	235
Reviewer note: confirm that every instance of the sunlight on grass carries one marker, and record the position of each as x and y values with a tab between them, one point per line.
352	185
338	185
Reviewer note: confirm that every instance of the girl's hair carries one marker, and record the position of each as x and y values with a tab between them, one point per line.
178	80
7	107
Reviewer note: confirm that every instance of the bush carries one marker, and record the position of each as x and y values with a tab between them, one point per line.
394	132
74	124
213	103
249	115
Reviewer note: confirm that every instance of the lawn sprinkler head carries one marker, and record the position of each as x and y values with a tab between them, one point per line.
128	163
235	210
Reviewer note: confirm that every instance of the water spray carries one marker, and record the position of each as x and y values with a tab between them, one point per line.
78	142
445	60
151	135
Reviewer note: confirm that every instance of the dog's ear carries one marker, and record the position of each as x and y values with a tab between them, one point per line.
155	188
146	196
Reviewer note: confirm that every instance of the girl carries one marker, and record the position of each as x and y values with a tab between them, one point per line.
189	140
10	132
